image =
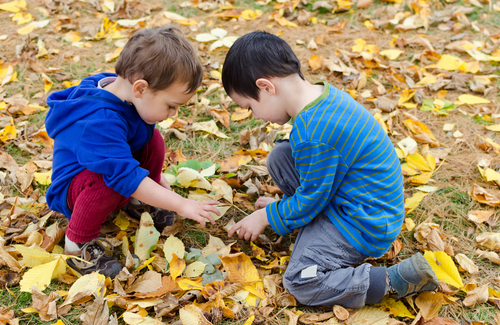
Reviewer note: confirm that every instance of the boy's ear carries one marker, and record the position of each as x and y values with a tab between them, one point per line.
266	86
139	87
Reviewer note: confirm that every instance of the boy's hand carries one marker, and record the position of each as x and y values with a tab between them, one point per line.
251	226
198	211
164	182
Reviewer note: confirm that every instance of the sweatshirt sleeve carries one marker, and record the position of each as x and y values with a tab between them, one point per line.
317	165
103	149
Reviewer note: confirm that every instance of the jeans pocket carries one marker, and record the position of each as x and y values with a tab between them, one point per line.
308	258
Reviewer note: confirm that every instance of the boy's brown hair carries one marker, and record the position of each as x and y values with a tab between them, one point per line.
162	57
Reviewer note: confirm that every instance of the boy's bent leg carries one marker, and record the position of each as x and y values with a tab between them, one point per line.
91	201
151	157
281	167
323	271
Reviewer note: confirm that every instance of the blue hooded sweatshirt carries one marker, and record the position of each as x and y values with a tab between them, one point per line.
95	130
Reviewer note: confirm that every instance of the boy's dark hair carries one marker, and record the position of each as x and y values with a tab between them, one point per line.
257	55
162	57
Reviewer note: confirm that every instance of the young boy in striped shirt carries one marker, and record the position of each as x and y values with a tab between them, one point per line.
340	175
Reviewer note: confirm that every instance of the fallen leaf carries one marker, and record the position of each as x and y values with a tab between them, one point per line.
489	240
98	313
146	237
483	196
173	245
429	303
466	263
370	315
87	285
479	216
476	296
472	100
148	282
444	268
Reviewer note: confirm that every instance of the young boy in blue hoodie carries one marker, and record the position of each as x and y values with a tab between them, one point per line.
106	148
340	175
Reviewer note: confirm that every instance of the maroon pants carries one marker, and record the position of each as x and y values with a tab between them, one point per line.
92	201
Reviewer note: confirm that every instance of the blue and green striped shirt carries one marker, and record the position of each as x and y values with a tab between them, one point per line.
349	169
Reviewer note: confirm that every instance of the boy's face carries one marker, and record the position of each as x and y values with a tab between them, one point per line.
267	108
157	106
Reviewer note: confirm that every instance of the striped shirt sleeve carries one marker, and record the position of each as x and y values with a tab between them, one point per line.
317	164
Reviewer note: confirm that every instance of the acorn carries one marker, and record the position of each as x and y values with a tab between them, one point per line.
340	312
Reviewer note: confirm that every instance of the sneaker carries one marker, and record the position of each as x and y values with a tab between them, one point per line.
412	276
96	253
161	218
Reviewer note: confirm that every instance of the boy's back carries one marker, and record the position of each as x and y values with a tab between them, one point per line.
348	169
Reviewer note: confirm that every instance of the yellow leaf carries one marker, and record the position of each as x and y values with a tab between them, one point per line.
113	55
72	37
472	100
21	18
391	54
429	304
47	83
187	284
396	307
192	315
240	114
495	127
415	160
422	178
444	268
121	221
90	284
250	319
418	128
9	132
491	175
7	74
177	266
34	256
188	177
195	269
43	178
413	202
41	275
146	237
449	62
370	315
466	263
360	45
409	224
284	22
250	14
215	74
26	29
173	245
240	268
13	6
210	127
315	62
59	322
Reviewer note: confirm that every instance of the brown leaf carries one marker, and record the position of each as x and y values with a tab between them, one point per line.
46	305
7	259
466	263
386	103
7	317
292	317
167	285
222	116
396	247
97	313
308	319
490	240
286	300
483	196
492	256
479	216
429	304
363	4
25	175
148	282
7	162
441	321
429	234
476	296
340	312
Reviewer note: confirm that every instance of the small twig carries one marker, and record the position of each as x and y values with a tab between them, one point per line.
246	214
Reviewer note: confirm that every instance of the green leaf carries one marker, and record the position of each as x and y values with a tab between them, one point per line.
208	278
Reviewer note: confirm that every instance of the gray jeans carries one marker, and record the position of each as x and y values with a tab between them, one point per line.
323	267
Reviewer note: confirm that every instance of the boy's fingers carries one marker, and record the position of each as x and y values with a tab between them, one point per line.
208	216
213	209
234	229
201	221
212	202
